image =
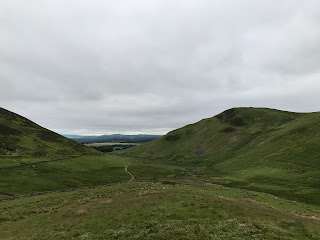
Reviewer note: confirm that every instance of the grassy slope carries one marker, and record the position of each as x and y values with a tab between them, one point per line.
23	141
195	207
184	210
76	172
259	149
83	171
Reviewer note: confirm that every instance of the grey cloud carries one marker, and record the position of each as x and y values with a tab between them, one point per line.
83	66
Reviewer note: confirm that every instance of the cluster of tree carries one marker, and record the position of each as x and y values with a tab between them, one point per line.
116	138
111	148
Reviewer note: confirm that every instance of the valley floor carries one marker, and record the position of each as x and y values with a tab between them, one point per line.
181	209
111	197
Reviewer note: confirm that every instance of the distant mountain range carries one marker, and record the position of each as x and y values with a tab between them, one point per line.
72	136
116	138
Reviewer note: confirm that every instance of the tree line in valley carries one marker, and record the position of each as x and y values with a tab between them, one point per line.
111	148
114	138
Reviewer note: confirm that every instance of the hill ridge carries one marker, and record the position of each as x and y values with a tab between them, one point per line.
21	137
251	146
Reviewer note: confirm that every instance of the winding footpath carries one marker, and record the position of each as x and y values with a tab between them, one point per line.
132	177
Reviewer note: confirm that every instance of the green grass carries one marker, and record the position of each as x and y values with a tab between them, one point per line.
69	173
81	172
11	160
180	210
146	170
22	139
255	148
259	179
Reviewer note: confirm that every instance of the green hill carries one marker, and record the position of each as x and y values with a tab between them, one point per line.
244	174
22	137
35	159
213	138
255	148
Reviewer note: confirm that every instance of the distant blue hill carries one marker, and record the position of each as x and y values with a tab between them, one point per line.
116	138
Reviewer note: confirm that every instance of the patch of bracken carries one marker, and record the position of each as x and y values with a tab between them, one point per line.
229	116
6	130
227	130
39	153
200	151
49	136
237	122
220	116
172	137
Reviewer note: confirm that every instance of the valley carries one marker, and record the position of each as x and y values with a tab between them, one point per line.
244	174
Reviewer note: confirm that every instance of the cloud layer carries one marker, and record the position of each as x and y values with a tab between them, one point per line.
149	66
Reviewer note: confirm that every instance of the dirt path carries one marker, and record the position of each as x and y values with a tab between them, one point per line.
34	163
7	194
132	177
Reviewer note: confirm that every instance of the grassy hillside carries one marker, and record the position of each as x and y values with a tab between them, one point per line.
161	210
78	172
254	148
227	132
34	159
243	174
23	141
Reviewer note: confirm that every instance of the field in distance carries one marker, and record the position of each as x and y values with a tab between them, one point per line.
109	144
115	138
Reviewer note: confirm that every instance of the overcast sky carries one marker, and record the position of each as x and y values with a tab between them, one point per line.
150	66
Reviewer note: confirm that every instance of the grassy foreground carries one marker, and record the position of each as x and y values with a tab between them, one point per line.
183	209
